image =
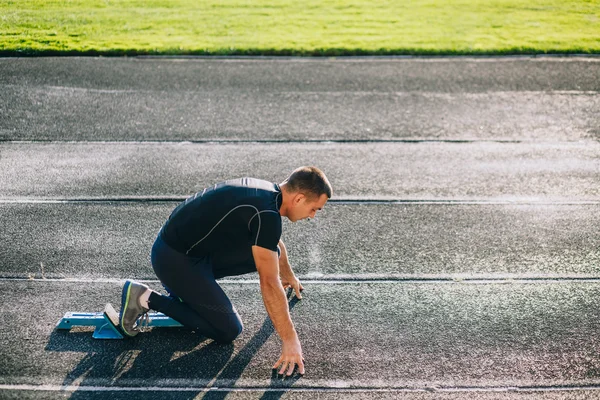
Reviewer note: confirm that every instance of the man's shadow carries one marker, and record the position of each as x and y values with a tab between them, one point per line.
163	354
174	356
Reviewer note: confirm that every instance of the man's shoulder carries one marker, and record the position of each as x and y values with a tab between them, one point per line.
252	190
251	183
239	193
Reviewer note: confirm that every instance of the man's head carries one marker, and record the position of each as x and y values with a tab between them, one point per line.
305	192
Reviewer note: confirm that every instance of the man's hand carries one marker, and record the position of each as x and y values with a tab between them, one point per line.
290	281
291	355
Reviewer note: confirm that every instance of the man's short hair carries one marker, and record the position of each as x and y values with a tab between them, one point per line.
310	181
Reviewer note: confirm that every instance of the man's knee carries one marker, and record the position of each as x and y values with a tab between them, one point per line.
231	330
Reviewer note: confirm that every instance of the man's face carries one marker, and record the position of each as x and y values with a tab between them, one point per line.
306	207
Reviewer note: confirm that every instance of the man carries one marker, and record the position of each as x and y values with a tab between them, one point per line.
229	229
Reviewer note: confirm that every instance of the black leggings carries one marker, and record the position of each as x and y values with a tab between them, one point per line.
196	300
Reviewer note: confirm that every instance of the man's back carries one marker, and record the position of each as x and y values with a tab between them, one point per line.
235	214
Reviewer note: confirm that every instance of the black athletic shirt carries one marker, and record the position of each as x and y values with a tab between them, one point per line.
224	222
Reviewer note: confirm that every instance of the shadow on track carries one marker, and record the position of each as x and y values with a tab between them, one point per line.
163	357
233	370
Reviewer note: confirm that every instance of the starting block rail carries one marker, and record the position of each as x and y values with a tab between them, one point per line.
107	322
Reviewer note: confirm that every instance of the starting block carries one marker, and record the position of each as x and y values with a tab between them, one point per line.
107	322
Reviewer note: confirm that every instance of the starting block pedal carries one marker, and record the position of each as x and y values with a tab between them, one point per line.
107	322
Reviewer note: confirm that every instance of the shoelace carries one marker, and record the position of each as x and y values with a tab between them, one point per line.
143	322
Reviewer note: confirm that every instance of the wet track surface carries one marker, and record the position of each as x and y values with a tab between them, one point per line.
459	256
347	99
349	241
385	171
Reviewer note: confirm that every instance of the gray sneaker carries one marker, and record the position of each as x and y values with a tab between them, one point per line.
131	309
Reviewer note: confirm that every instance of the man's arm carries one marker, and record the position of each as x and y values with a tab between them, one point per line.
267	265
288	279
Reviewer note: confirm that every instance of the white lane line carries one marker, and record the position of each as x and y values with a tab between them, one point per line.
371	59
344	92
338	200
342	281
217	141
73	388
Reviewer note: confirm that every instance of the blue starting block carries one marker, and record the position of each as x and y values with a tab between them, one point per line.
107	322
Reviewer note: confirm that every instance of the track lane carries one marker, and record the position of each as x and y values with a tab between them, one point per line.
408	171
413	336
346	241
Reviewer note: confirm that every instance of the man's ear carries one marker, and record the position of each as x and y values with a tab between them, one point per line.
298	197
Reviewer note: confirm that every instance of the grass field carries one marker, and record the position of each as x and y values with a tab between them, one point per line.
292	27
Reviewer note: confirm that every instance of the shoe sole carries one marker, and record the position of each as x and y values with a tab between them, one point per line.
125	302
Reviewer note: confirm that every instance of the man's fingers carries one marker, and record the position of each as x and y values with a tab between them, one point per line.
288	365
278	363
291	369
298	288
300	364
301	367
284	366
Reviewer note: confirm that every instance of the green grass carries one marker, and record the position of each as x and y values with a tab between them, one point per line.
298	27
